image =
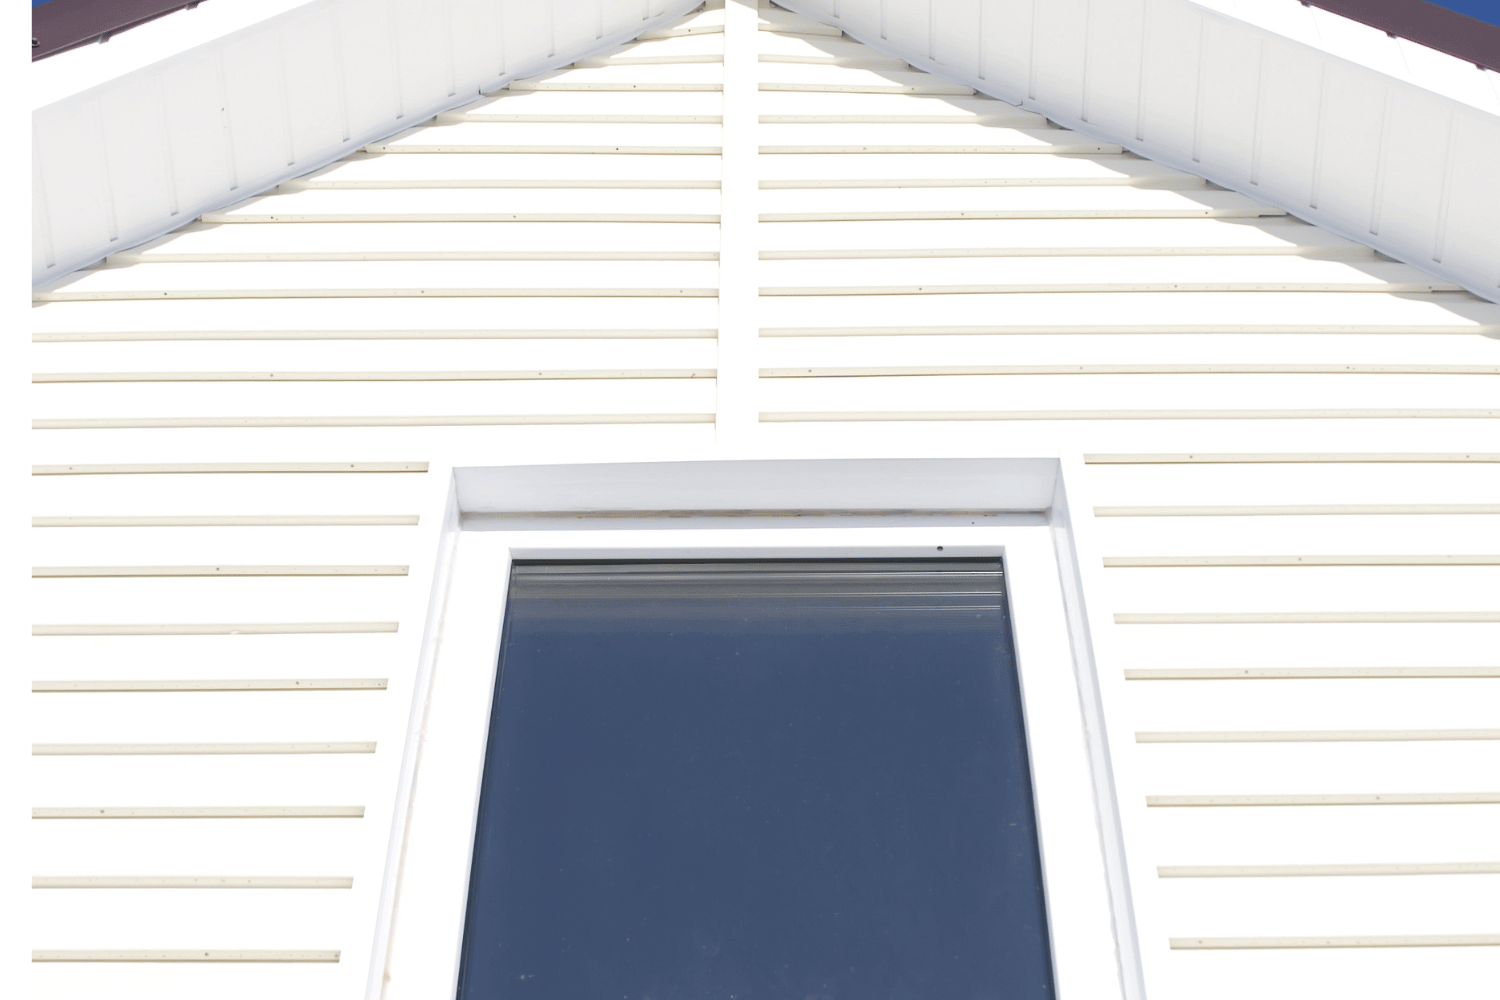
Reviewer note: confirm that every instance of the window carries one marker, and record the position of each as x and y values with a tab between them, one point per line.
767	778
624	594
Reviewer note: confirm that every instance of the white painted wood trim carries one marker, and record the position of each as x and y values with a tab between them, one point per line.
505	183
220	955
874	416
237	218
739	299
74	572
1169	89
113	336
1297	510
433	878
1386	799
813	184
1304	617
1075	577
1189	562
1320	736
1390	941
936	370
211	468
1302	673
76	164
198	812
1129	330
1291	457
599	150
388	906
192	685
931	215
767	486
413	255
1061	289
414	376
522	86
227	521
195	749
235	628
1314	871
191	882
133	295
457	420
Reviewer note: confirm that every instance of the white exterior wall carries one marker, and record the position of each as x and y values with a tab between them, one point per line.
1227	385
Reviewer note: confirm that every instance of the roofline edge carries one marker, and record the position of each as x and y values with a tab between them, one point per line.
1183	160
77	133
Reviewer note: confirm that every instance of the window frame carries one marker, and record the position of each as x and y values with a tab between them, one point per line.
424	911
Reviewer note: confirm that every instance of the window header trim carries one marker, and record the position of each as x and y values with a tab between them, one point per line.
822	492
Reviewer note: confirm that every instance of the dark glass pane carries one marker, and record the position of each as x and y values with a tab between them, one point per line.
757	781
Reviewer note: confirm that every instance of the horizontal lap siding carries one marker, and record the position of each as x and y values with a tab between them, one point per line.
1051	301
1212	320
470	364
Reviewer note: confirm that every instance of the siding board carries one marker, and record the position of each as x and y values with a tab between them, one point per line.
1206	303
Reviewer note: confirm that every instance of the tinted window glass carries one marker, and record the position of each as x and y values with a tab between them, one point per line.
757	781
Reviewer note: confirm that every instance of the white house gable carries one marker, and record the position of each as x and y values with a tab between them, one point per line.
749	236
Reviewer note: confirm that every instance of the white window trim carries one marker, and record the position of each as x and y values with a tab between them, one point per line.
841	509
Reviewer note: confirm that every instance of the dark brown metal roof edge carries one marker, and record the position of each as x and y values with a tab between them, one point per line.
60	25
1448	31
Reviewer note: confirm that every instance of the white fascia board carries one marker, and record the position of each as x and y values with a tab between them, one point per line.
1363	45
1322	129
58	77
140	154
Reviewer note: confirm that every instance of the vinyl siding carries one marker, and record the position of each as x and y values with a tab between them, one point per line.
494	289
